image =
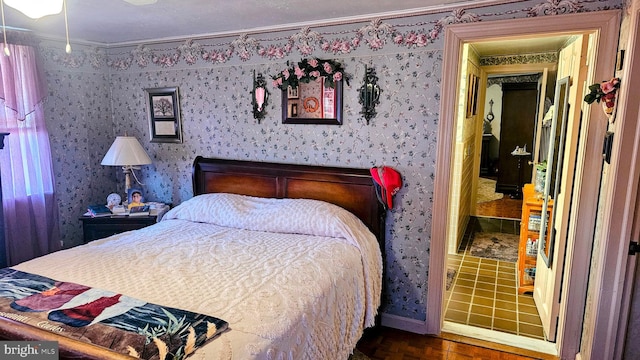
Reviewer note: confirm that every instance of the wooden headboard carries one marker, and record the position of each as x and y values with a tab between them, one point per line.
351	189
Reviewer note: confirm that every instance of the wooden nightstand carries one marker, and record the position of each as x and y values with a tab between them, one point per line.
95	228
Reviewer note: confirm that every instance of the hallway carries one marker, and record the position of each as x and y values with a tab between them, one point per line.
483	292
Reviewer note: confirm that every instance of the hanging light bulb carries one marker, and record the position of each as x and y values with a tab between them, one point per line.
66	27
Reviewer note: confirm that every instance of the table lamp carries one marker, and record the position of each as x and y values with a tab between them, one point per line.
127	152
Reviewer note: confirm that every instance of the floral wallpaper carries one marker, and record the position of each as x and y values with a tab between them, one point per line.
97	93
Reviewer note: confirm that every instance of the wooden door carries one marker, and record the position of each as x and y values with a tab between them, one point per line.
519	103
564	147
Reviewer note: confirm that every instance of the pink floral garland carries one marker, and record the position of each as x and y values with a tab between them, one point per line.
309	70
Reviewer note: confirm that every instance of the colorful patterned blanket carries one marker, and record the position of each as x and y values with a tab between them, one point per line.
114	321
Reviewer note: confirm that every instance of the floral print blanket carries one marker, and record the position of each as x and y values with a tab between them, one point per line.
114	321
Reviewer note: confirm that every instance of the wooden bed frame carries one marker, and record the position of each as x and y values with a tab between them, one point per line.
351	189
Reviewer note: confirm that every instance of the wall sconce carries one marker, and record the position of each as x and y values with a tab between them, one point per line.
259	96
369	94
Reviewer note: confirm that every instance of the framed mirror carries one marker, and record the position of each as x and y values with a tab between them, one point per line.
312	103
311	92
553	178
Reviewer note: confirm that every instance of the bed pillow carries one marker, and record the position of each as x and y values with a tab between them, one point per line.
298	216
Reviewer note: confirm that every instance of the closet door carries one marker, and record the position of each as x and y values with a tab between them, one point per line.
519	102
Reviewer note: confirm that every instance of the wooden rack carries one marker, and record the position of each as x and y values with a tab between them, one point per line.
529	235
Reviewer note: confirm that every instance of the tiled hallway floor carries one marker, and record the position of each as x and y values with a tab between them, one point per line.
484	291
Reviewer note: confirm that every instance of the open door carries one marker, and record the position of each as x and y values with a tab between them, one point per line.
545	288
558	185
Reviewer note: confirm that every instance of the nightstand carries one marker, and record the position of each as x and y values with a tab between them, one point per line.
95	228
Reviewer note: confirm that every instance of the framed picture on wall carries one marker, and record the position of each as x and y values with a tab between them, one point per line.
163	109
472	95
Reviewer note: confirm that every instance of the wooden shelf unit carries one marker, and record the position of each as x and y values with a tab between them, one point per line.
530	231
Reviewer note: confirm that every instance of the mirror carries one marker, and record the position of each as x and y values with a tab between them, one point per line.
312	102
553	177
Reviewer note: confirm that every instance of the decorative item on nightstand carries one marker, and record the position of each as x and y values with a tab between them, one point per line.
142	210
259	96
127	152
113	200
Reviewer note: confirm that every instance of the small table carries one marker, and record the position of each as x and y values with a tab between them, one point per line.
519	153
94	228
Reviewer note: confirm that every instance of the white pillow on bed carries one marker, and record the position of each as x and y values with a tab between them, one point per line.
297	216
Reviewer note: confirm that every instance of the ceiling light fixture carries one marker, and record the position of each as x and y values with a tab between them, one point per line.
36	9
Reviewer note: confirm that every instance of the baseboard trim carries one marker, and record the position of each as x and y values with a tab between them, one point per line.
403	323
539	349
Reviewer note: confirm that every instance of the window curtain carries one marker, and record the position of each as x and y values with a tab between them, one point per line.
28	197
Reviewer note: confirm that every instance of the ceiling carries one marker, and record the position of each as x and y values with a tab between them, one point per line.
114	22
120	22
538	44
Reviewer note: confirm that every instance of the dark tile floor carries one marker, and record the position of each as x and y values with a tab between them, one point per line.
484	291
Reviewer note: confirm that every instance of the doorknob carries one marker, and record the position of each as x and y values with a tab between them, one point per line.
634	248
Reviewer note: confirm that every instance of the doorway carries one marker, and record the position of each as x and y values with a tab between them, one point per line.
482	291
589	174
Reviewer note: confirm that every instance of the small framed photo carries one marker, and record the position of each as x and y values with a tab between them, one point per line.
292	92
293	110
134	198
163	109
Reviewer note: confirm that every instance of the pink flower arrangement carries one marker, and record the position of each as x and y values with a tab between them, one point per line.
310	70
605	91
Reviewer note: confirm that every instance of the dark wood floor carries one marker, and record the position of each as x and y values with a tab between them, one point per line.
383	343
505	208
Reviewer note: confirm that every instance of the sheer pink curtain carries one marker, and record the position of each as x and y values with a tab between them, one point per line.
30	207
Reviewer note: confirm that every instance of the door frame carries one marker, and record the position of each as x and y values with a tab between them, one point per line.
606	24
620	215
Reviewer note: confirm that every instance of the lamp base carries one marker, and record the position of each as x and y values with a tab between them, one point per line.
127	180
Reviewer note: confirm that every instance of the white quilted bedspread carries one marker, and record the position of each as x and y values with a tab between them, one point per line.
295	279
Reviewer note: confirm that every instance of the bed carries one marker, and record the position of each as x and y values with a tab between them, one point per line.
267	250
